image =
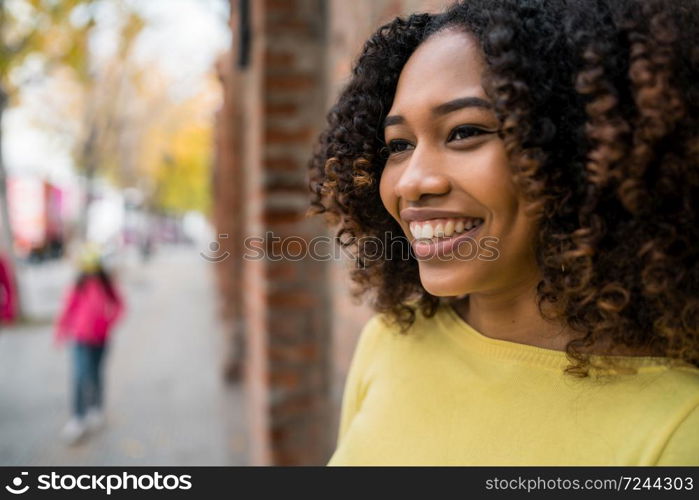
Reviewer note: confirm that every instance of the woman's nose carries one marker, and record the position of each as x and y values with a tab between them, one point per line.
422	175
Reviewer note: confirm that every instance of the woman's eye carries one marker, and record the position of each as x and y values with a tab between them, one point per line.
398	146
465	132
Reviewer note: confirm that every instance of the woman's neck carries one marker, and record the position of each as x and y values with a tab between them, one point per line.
513	315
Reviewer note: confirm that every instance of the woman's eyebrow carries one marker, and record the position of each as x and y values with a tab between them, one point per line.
393	120
462	102
443	109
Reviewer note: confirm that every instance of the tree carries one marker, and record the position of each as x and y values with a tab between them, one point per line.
176	154
41	28
127	125
108	91
182	177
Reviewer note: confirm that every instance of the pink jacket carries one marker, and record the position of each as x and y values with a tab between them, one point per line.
88	314
8	292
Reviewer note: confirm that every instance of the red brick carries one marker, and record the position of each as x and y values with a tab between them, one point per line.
281	109
285	6
282	163
291	457
279	59
294	406
290	82
301	353
283	25
301	135
286	243
286	332
279	433
284	378
272	217
282	271
295	299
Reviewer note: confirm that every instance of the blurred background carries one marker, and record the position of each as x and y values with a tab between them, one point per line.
167	132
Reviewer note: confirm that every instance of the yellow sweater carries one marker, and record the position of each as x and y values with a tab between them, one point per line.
445	394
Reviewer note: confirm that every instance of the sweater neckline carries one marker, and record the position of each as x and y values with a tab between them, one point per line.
475	341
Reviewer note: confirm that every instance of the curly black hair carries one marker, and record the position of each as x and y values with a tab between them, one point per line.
599	108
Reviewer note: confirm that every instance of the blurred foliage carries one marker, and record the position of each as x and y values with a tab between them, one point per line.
48	29
118	112
176	155
182	176
51	31
106	91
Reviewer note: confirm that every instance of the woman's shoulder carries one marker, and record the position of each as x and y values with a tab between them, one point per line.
681	380
677	392
377	328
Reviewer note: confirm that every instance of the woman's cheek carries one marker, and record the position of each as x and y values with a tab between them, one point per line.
387	193
486	176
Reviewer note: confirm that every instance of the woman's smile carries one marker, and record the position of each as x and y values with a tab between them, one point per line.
444	238
435	232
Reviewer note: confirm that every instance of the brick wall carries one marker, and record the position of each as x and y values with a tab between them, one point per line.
299	324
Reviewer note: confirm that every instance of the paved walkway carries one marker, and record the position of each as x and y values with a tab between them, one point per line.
166	401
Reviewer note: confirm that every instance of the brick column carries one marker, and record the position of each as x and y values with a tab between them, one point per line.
298	313
286	302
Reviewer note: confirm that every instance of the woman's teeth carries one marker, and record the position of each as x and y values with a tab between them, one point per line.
442	228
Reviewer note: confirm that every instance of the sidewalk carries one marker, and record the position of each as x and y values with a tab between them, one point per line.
166	402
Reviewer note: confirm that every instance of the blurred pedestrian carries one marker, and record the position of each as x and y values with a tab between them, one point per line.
8	292
92	307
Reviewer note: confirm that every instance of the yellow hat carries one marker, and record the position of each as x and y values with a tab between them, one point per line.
90	258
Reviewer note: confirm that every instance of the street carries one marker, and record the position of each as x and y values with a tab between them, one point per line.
166	402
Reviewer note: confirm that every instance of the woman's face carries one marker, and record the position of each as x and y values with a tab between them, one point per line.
447	172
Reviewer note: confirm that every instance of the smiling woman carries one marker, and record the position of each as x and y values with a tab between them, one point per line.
565	134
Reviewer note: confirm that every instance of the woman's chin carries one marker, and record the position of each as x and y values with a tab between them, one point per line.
444	283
